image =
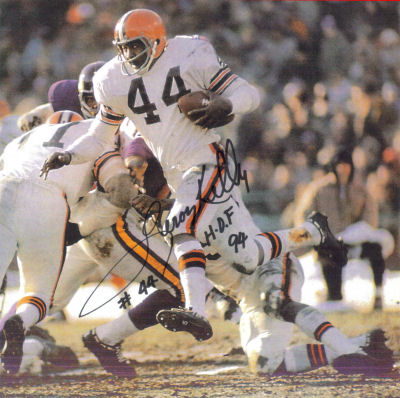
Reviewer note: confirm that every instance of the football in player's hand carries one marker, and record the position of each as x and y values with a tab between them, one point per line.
191	101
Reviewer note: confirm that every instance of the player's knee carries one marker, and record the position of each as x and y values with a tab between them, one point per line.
246	261
263	358
184	243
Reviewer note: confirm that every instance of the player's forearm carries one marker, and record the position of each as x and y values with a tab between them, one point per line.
244	97
99	137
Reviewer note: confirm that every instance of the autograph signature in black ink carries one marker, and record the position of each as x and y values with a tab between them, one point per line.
229	173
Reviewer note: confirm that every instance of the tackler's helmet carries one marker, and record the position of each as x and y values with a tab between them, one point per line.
89	105
60	117
141	27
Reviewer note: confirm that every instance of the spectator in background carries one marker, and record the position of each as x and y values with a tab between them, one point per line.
353	214
336	53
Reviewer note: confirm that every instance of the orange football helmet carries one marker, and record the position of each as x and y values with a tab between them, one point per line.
147	30
60	117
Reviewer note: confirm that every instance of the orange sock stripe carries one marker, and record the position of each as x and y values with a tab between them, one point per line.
276	243
316	355
190	264
194	259
37	302
193	254
321	329
322	354
311	356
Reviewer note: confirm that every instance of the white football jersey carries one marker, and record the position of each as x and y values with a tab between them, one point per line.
25	155
127	131
188	64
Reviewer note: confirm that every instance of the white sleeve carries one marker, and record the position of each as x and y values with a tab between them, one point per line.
244	97
217	77
97	140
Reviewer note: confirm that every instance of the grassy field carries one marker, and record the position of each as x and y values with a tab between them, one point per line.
175	365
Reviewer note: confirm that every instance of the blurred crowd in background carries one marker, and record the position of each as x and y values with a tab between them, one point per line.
329	73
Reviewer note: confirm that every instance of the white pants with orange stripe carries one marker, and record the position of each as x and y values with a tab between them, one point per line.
33	217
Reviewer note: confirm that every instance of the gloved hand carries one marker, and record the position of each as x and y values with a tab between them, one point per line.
27	122
55	161
217	113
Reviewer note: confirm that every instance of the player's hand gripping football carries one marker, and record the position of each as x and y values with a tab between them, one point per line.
55	161
215	114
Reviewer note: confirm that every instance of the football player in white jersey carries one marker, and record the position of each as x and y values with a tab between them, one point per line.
34	220
144	83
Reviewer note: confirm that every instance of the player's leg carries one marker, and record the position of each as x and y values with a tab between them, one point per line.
194	204
78	266
313	232
8	239
105	340
41	251
7	249
304	357
229	230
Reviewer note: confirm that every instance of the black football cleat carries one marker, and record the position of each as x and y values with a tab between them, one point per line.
376	359
362	364
110	356
331	246
185	320
60	357
376	347
14	336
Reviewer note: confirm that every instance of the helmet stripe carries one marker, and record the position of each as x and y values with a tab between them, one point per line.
122	25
